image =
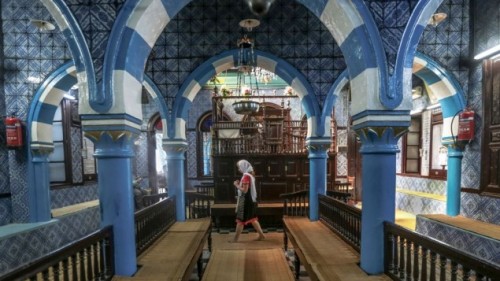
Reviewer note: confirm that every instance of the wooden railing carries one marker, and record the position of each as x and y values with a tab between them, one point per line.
296	203
412	256
149	200
206	188
198	205
343	219
152	221
339	195
90	258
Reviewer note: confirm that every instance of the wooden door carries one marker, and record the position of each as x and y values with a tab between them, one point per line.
490	151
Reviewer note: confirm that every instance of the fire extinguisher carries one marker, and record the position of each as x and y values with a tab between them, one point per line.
466	125
14	131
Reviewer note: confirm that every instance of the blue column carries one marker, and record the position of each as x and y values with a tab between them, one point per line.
39	187
114	152
318	148
454	179
176	175
379	148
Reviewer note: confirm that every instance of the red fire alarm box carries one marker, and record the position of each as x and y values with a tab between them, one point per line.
14	132
466	125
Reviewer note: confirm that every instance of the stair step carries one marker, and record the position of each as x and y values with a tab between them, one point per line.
422	194
420	202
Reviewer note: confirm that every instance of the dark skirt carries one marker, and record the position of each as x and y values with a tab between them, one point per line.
246	211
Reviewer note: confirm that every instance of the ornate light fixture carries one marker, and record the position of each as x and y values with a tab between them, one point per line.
247	84
42	25
259	7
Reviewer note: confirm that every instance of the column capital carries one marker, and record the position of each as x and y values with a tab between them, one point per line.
455	150
41	152
175	148
111	143
380	139
318	147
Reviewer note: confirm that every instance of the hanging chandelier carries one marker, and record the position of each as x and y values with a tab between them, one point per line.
247	82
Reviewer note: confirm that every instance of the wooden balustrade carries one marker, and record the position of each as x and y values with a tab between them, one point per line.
90	258
198	205
339	195
412	256
206	189
296	203
343	219
152	221
148	200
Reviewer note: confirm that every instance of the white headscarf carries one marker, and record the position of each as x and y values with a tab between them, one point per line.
247	169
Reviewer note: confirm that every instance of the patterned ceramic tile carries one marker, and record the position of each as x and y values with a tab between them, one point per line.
76	155
482	208
304	42
342	164
23	248
73	195
478	245
419	205
421	184
5	211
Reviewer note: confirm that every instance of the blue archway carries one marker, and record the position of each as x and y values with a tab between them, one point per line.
445	88
65	20
39	134
140	23
228	59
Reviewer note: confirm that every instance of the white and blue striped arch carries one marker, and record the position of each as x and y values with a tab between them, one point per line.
445	87
439	81
400	81
140	23
226	60
65	20
50	94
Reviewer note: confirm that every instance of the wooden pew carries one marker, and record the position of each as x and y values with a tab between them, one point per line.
174	255
248	265
324	255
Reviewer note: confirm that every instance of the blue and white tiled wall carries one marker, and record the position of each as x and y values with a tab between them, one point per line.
24	247
73	195
342	119
421	185
304	42
418	204
478	245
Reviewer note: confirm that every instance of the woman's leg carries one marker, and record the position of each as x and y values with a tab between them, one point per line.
257	227
239	229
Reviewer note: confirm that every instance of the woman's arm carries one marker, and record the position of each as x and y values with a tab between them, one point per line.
244	185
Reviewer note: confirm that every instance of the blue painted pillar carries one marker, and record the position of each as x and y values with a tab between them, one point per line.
114	151
39	187
176	175
454	179
318	148
379	148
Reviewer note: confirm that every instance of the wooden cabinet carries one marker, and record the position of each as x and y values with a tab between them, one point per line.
275	175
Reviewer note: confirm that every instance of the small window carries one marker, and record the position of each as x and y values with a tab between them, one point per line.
411	147
205	146
439	153
70	148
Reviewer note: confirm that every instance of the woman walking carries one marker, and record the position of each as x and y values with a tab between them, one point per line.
246	205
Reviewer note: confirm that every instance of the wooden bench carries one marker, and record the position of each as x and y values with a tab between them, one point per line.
236	265
174	255
324	255
223	215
